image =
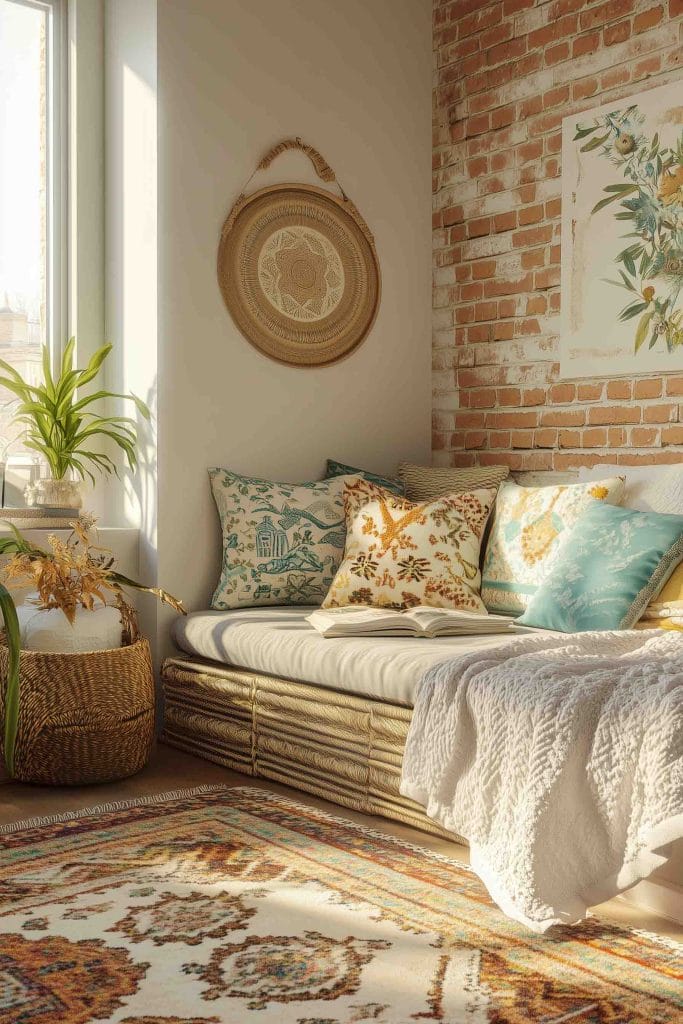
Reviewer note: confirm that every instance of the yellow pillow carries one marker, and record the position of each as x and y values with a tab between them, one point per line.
669	601
675	624
400	553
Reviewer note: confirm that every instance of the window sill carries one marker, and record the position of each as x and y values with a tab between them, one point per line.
101	530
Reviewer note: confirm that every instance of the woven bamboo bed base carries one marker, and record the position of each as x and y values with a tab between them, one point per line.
339	746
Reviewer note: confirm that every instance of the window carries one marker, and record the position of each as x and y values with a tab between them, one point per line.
31	190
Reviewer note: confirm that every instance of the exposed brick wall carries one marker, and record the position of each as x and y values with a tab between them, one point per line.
506	73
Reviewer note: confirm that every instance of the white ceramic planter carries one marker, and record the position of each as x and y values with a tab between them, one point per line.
50	630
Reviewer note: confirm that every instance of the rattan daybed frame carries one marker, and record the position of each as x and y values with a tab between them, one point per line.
340	746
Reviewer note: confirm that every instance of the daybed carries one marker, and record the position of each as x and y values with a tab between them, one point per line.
258	690
261	692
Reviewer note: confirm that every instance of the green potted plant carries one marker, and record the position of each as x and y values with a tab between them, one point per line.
62	427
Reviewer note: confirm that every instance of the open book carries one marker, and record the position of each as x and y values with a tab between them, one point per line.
420	621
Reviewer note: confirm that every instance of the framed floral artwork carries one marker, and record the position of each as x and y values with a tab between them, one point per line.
622	237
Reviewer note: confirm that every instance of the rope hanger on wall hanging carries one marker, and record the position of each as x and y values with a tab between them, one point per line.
297	266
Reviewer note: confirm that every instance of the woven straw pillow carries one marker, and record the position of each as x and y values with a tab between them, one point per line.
426	483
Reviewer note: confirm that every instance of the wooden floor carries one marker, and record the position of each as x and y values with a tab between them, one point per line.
171	769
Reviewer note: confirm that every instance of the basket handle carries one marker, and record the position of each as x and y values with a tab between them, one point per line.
320	164
322	168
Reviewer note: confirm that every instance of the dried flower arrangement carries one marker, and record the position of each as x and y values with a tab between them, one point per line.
75	573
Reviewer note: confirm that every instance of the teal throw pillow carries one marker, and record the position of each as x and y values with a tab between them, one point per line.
614	562
339	469
282	543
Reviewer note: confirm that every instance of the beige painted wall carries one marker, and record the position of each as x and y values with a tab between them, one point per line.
354	80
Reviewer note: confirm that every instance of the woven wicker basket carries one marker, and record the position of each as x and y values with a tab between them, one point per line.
85	717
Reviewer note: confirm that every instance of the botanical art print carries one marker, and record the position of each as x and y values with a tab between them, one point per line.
622	237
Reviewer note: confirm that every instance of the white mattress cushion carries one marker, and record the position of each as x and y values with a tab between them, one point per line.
279	642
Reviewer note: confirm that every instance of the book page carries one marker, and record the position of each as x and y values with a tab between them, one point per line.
427	616
352	617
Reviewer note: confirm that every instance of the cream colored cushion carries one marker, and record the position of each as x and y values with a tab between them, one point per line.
426	483
400	553
280	642
524	538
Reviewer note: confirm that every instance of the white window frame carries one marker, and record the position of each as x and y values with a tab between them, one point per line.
56	170
84	137
57	177
75	215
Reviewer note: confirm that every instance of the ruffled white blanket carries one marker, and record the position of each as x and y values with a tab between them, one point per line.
560	759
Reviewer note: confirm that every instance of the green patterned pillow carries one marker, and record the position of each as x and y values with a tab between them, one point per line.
528	523
339	469
282	543
614	562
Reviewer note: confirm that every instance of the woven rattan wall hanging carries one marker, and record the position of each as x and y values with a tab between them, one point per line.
298	269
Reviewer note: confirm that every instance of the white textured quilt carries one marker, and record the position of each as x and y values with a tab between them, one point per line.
560	759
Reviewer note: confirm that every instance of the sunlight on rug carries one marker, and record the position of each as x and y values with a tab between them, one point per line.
231	905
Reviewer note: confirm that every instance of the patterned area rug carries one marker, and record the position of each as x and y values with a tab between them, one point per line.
233	905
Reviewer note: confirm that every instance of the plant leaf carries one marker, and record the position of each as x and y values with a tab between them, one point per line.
68	357
642	329
623	190
141	406
47	373
163	595
594	143
631	311
20	541
581	133
629	284
12	683
93	367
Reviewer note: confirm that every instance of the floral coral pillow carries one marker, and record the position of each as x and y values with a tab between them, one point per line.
400	553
